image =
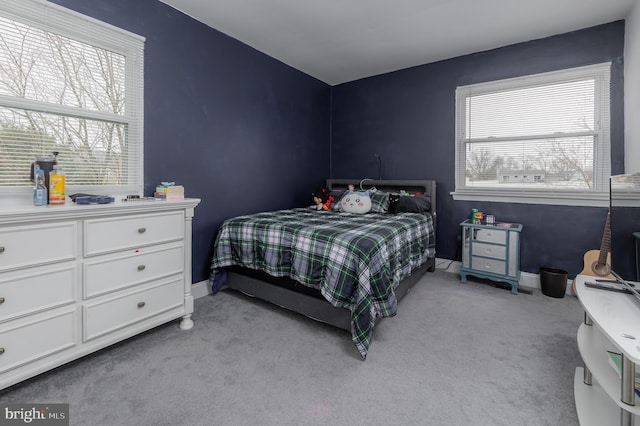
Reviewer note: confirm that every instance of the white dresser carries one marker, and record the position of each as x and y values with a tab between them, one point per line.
75	279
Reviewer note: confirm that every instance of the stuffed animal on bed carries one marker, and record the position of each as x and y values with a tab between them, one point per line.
325	199
324	205
356	202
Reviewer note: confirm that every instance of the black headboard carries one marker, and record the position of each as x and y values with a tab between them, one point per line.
427	187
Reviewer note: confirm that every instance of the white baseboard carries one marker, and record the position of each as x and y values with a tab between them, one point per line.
201	289
527	279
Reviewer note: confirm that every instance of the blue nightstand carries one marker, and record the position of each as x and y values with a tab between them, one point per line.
491	251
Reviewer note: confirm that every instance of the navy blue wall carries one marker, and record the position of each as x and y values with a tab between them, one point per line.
246	133
408	118
239	129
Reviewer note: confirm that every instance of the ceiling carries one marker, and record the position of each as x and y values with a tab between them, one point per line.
343	40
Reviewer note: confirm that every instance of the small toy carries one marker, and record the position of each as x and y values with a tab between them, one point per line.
477	217
328	205
323	200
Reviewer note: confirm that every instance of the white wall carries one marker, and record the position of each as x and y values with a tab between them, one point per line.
632	91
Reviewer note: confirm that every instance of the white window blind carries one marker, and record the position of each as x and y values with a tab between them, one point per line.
541	134
73	85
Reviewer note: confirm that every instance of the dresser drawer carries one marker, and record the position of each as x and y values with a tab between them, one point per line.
490	236
488	265
489	250
23	246
106	316
138	266
23	293
32	340
114	234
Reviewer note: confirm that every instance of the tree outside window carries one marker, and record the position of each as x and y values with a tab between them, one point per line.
73	96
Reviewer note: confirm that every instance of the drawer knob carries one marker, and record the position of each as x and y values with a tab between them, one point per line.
1	300
141	267
142	230
1	351
1	249
141	304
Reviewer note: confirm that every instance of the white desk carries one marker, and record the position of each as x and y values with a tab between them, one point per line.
600	394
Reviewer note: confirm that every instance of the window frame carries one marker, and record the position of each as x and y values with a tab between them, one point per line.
54	18
598	196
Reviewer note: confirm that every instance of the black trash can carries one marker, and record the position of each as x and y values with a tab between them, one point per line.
553	282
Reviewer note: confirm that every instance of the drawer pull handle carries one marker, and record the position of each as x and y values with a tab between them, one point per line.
142	230
141	267
141	304
1	351
1	300
1	249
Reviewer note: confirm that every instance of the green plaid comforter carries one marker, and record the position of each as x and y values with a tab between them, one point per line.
356	261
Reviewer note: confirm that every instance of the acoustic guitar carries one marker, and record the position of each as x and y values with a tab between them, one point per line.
597	263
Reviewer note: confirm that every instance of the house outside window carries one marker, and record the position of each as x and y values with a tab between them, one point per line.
73	85
542	138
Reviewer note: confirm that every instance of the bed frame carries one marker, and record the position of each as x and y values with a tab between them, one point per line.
262	286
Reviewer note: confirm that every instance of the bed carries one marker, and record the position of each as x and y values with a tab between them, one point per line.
347	270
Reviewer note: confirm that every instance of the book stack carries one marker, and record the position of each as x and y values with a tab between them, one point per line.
174	193
169	191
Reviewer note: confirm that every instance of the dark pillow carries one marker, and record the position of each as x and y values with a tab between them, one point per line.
379	201
411	204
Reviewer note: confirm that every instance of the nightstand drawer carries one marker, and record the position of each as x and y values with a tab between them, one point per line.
99	318
489	250
488	265
22	246
490	236
114	234
29	341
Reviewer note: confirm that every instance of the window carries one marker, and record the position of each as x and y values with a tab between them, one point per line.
73	85
542	138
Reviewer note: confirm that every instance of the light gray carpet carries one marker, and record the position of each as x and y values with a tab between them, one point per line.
456	354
